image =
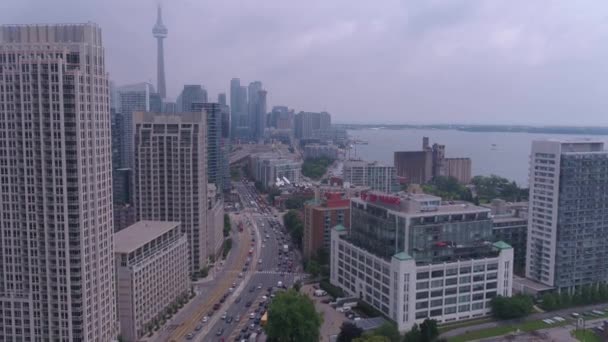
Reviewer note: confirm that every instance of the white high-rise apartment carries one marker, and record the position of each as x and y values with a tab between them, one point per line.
568	213
171	175
56	259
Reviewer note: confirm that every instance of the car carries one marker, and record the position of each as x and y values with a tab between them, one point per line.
241	275
190	336
237	318
210	313
251	289
248	304
575	315
260	261
216	306
205	319
220	331
259	286
251	315
224	315
198	327
229	319
269	289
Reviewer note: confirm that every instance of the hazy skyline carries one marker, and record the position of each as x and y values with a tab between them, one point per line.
425	61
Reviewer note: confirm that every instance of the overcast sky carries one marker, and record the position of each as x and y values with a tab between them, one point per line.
389	61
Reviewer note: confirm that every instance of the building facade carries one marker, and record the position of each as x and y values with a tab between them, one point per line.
215	141
320	216
319	151
56	263
215	221
171	175
459	168
306	123
413	257
122	188
568	215
150	274
270	170
372	174
510	224
192	93
133	98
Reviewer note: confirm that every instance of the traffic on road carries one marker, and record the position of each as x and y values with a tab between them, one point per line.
270	266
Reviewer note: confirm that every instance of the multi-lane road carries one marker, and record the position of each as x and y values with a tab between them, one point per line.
270	268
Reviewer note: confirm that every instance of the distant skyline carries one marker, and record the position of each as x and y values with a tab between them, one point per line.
424	61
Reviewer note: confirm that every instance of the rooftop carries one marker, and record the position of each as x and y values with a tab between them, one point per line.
502	245
140	233
402	256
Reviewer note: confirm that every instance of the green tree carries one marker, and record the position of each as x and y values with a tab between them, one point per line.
550	301
315	168
294	226
388	330
297	286
349	332
372	338
511	307
414	335
428	330
313	268
292	318
227	225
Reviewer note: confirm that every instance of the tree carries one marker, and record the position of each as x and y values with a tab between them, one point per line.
292	317
227	225
315	168
511	307
428	330
313	268
372	338
388	330
349	332
413	335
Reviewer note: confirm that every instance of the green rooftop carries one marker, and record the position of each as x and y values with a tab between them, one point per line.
402	256
502	245
339	228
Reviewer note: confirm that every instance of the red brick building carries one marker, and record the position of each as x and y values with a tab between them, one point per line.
320	216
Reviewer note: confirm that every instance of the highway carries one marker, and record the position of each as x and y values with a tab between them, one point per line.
267	267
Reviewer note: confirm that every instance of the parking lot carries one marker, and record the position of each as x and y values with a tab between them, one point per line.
332	319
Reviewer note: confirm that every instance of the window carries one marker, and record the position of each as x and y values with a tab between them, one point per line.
421	295
422	275
491	285
464	289
477	306
422	314
451	281
478	277
477	296
422	285
436	302
422	305
465	270
450	291
437	293
463	308
464	299
437	274
465	279
450	300
451	272
437	283
436	312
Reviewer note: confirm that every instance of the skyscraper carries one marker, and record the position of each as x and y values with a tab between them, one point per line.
252	107
260	115
213	115
160	32
306	123
171	177
568	213
56	263
190	94
221	99
132	98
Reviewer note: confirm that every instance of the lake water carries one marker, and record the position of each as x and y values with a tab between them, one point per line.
509	158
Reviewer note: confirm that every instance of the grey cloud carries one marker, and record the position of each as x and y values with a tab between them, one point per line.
499	61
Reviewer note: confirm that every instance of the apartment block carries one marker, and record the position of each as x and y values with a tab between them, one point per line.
171	175
306	123
568	213
320	216
413	257
56	263
372	174
150	274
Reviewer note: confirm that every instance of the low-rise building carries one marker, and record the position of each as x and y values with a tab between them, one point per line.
320	216
459	168
319	151
373	174
413	257
152	272
270	169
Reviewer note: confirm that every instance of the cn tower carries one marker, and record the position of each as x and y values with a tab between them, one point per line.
160	32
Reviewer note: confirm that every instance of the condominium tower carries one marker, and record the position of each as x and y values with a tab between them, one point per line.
215	152
568	213
56	261
170	175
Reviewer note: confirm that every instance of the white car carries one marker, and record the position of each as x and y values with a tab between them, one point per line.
205	319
